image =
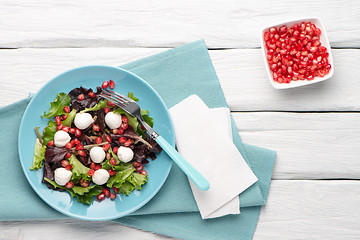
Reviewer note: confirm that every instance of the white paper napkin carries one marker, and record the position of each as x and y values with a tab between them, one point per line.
202	138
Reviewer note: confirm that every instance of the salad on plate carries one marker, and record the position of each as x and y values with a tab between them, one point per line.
91	147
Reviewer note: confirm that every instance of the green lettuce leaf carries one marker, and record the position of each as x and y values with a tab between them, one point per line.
137	180
126	188
119	178
71	115
61	100
49	132
132	96
79	171
93	191
98	106
39	155
82	194
131	119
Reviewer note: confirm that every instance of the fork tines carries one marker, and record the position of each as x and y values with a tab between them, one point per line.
114	97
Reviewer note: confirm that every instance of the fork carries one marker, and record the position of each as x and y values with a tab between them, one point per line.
133	108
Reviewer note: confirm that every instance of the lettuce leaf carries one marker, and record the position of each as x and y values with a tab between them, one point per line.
119	178
71	115
49	132
61	100
132	96
137	180
126	188
98	106
82	194
131	119
79	171
39	155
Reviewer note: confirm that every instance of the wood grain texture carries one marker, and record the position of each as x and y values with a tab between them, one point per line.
308	145
161	23
241	73
295	210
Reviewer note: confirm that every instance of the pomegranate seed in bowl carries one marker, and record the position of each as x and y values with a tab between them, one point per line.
297	53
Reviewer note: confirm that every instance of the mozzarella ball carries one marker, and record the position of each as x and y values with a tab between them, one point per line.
100	176
83	120
125	154
62	176
61	138
113	120
97	154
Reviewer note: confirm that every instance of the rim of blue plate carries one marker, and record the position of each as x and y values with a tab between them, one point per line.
124	213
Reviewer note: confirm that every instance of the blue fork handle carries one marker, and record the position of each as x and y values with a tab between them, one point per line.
187	168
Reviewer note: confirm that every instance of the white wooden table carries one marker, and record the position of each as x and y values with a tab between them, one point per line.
315	192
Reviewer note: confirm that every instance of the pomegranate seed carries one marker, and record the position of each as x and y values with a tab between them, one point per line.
115	150
124	126
81	97
124	119
106	110
128	143
111	84
67	155
65	163
143	172
112	196
310	77
58	120
92	165
98	140
97	167
72	130
115	131
273	30
77	132
66	129
91	172
108	138
68	145
79	147
91	94
84	183
100	197
105	85
283	29
69	185
76	141
82	153
120	131
122	140
116	190
136	164
66	109
68	167
106	147
266	36
96	128
317	31
108	155
113	161
140	168
110	104
106	192
112	172
50	143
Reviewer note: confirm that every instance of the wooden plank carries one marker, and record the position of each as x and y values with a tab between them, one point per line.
161	23
241	73
308	145
295	210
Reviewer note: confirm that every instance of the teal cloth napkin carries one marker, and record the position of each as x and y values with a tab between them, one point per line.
175	74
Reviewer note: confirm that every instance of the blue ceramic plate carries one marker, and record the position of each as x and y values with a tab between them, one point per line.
90	77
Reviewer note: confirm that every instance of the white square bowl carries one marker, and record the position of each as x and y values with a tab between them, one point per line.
324	42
